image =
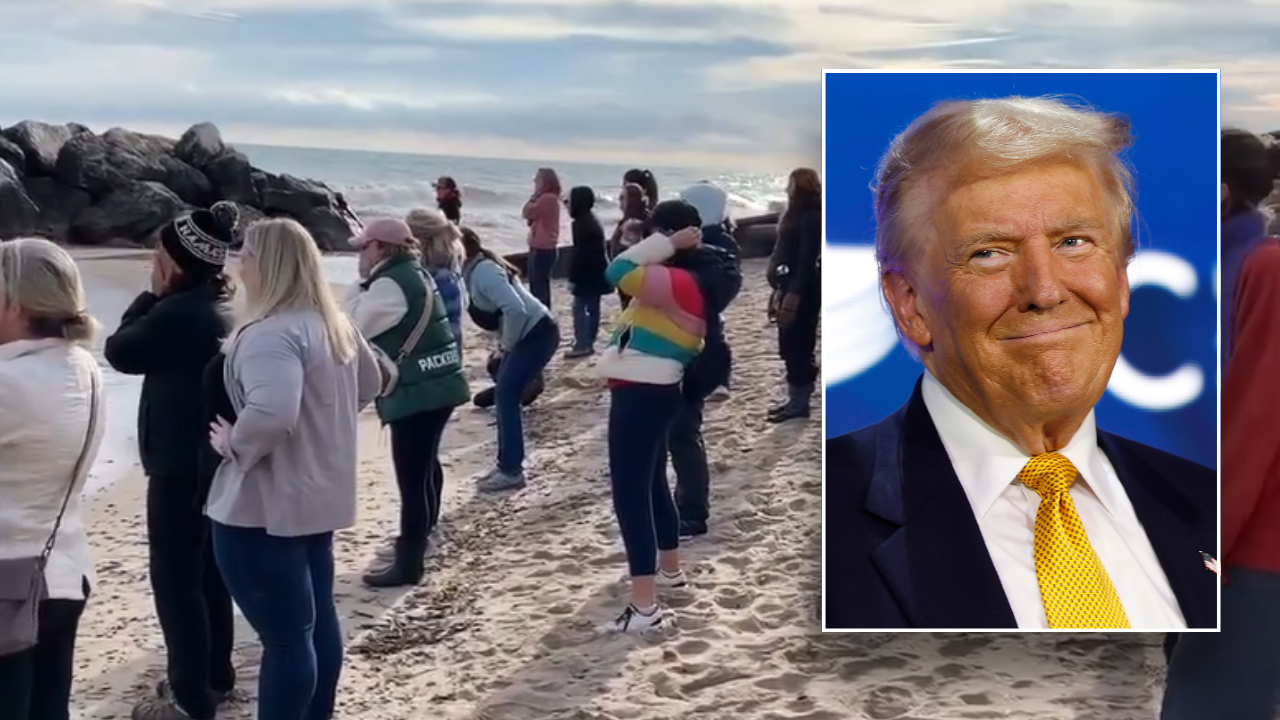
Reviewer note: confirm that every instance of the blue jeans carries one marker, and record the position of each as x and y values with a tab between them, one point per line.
640	415
522	364
1232	674
540	265
284	587
586	321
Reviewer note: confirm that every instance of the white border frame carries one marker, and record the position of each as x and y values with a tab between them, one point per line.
1218	343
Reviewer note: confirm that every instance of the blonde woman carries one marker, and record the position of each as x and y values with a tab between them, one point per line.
297	374
51	423
442	256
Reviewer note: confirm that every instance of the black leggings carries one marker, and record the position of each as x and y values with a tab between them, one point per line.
192	603
415	454
35	684
798	341
639	418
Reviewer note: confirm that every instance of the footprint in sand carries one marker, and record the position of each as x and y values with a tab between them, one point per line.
732	599
888	701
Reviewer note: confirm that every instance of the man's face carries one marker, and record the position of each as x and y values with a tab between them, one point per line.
1020	297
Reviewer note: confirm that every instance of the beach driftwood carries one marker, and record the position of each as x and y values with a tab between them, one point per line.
70	184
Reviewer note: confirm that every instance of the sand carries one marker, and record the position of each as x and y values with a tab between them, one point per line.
505	625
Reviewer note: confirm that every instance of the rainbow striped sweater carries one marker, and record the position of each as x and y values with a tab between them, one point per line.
663	327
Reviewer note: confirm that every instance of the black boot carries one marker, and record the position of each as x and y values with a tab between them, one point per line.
405	569
796	406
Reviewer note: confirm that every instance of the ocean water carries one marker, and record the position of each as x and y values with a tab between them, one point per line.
493	191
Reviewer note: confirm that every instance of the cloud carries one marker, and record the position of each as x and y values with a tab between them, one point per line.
732	83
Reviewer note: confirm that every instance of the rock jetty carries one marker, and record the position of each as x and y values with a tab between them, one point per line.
70	184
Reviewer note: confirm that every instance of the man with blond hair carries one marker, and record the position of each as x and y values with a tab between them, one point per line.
991	499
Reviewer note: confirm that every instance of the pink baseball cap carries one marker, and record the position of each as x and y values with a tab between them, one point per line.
392	231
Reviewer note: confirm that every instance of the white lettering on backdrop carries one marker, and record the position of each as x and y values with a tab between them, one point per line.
858	331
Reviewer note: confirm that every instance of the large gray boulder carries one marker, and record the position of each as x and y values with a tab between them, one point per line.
131	211
200	145
231	174
12	154
57	204
98	164
17	211
309	202
40	144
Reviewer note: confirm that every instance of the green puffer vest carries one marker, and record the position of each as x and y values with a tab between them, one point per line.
431	374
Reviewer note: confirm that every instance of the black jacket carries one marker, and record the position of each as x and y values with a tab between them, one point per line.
587	266
169	341
798	248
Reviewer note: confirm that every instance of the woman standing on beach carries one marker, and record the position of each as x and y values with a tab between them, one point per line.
528	337
796	304
51	423
646	181
397	307
168	335
647	364
449	199
442	255
297	373
636	209
542	213
586	271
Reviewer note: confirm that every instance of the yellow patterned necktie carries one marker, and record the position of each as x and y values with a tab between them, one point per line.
1074	586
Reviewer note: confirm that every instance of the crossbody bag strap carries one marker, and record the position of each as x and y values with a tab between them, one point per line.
94	392
423	321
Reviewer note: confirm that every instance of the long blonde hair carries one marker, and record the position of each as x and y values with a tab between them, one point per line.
441	240
290	278
42	280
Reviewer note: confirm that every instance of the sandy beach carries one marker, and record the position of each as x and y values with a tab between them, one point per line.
504	626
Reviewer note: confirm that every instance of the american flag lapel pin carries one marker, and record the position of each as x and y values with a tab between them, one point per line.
1209	561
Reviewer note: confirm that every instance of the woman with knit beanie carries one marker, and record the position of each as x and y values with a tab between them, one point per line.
168	335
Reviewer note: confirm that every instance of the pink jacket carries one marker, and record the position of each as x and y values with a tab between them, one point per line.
543	216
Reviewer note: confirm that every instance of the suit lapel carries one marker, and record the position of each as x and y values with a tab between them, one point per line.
936	563
1172	524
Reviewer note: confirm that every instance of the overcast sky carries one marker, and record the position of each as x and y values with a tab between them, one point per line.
731	83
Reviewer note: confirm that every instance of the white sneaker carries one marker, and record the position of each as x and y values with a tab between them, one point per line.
671	582
633	620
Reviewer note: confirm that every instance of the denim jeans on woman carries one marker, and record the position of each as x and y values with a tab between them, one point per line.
640	416
284	587
586	321
541	263
520	367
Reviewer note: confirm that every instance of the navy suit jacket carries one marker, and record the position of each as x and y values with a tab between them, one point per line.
903	549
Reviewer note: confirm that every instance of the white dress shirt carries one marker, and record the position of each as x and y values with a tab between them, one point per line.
987	464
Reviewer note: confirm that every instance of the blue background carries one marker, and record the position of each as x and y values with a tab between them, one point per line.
1175	123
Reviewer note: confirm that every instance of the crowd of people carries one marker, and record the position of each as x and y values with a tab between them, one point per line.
247	486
